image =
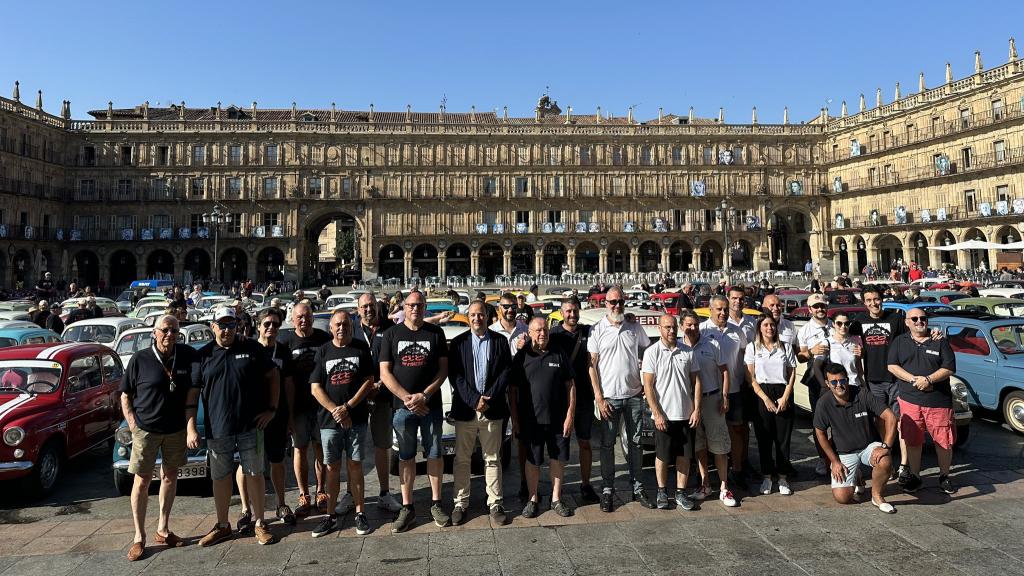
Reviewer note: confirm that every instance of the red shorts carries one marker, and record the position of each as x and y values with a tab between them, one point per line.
937	422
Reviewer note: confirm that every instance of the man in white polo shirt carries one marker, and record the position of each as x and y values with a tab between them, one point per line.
813	341
615	347
772	305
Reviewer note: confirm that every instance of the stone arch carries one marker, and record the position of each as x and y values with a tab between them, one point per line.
649	258
975	258
270	265
556	257
22	269
710	256
233	264
917	247
314	223
196	265
618	257
160	264
122	269
391	262
789	227
457	260
523	258
860	248
588	258
947	238
680	256
490	260
424	261
888	249
742	255
85	268
1006	234
842	249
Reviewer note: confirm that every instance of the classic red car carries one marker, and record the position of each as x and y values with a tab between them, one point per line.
56	402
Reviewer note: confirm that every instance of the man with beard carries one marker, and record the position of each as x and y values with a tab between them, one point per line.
813	341
303	341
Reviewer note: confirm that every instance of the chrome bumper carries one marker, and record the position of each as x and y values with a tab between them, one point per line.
19	466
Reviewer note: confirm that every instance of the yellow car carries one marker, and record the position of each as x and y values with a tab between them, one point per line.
706	312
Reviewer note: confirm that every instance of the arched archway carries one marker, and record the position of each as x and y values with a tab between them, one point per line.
233	265
650	256
588	258
85	268
555	258
860	248
197	265
919	248
424	261
47	263
889	250
1006	235
710	256
842	249
270	265
22	269
391	262
160	264
789	232
618	257
977	257
122	269
332	242
457	262
491	261
680	256
3	269
523	260
742	255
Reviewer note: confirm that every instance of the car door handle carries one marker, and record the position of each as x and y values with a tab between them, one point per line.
990	360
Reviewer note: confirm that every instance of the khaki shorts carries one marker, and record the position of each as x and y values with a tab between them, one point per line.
146	446
713	431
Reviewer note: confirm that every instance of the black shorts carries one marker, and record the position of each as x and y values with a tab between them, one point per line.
583	420
677	441
540	436
275	438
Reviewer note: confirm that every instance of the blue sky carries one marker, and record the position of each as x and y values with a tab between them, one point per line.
491	54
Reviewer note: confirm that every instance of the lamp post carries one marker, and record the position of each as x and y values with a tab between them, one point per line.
726	214
215	219
920	252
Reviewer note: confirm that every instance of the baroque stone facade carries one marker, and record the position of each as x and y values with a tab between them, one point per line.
122	196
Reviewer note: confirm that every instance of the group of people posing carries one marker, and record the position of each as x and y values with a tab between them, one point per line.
877	384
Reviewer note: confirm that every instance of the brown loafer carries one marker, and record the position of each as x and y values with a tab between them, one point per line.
136	551
171	540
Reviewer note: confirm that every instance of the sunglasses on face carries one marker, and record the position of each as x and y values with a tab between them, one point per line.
508	306
616	302
839	382
269	325
227	325
918	319
414	305
820	306
166	331
840	323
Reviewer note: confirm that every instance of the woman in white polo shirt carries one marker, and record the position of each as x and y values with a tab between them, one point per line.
845	349
772	367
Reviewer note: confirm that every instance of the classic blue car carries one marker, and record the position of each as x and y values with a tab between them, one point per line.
20	335
928	307
989	360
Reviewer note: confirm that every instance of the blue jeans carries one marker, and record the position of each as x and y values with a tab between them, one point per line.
429	427
631	410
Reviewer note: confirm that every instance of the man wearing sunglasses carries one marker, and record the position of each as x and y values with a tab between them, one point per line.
813	341
850	413
615	347
235	376
514	330
923	365
153	394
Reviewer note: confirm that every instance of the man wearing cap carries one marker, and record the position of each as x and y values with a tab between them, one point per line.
813	341
53	321
80	313
228	372
42	314
523	310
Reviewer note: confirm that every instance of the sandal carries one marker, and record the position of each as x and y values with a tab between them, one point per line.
171	540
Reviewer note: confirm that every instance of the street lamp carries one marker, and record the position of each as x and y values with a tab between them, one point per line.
726	214
215	219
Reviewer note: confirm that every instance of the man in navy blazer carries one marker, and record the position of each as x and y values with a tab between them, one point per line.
478	367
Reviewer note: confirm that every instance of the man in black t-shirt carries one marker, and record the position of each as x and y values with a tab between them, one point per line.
543	402
44	288
234	376
303	341
571	338
413	365
342	378
153	394
851	413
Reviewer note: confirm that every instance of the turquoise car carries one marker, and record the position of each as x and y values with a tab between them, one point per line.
196	468
21	335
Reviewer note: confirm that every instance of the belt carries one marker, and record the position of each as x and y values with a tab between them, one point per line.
712	393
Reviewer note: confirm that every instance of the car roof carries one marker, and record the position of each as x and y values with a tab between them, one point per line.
978	317
988	301
20	331
56	351
107	321
911	305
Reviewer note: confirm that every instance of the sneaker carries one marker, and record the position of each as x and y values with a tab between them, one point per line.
327	525
321	502
766	486
530	510
821	469
903	476
244	524
498	515
784	488
406	517
305	507
284	514
458	515
946	485
561	508
441	517
345	504
701	493
727	498
263	536
362	524
662	500
641	497
588	494
388	502
217	535
683	502
912	484
607	502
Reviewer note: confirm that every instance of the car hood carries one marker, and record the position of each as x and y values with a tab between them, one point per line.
13	408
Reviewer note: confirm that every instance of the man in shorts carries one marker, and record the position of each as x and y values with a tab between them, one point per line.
731	342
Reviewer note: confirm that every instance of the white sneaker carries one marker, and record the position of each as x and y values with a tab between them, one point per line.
766	486
389	503
345	504
820	468
784	488
727	498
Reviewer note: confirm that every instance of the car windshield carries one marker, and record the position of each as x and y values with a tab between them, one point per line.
8	342
1015	310
1009	339
32	376
101	333
132	343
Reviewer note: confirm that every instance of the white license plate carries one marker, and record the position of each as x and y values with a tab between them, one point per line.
196	470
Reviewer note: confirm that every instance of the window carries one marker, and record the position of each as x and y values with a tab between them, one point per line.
235	224
270	219
873	175
270	154
586	216
554	216
889	177
678	219
346	185
523	217
966	340
522	155
646	155
124	189
124	221
234	187
587	185
872	144
737	154
965	118
126	155
490	186
835	152
198	187
490	218
195	221
163	155
554	155
970	201
677	154
556	185
87	189
89	156
618	156
270	187
1003	193
709	219
84	373
999	148
315	186
199	154
936	125
965	158
158	221
997	109
161	188
586	155
708	155
234	155
522	186
886	139
911	133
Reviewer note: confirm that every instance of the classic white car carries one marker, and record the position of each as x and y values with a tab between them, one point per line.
131	341
102	330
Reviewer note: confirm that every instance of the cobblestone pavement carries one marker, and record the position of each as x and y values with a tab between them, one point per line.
84	529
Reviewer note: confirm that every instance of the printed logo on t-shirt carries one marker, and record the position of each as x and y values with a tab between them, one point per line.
342	370
241	356
554	365
860	414
877	334
413	354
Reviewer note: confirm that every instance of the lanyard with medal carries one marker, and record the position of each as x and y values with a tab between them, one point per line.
169	373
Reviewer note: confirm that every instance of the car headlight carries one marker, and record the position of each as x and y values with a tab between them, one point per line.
123	436
959	390
13	436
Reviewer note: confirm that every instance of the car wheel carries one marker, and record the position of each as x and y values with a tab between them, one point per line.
1013	410
47	470
962	434
123	482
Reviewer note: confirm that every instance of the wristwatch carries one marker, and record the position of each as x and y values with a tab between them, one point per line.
884	445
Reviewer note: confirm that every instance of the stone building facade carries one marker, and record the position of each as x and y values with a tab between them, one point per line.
123	195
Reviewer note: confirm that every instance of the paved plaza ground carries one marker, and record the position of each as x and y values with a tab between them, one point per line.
84	529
